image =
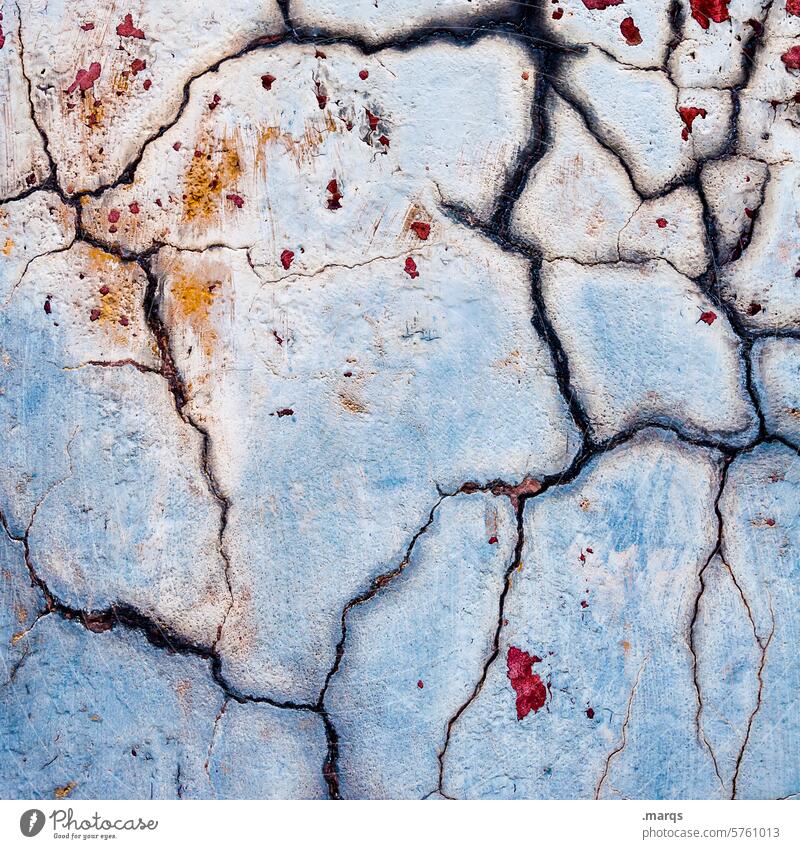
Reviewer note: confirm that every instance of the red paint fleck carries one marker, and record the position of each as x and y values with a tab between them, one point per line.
791	58
704	11
94	315
384	140
601	4
123	320
236	199
525	75
138	65
112	228
630	32
422	229
662	222
30	179
286	411
267	80
688	114
420	685
214	103
754	308
286	258
47	307
793	8
197	153
87	26
530	690
158	203
86	79
590	712
363	74
104	290
770	522
558	14
748	212
582	557
127	30
584	604
146	85
492	540
176	146
590	550
113	216
410	268
348	374
134	208
322	99
708	317
318	54
372	119
335	195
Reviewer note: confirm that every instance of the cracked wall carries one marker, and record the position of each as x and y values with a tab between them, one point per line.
399	400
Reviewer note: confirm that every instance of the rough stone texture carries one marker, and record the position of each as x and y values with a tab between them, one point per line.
759	510
776	369
416	649
629	538
625	330
264	752
374	22
23	159
399	400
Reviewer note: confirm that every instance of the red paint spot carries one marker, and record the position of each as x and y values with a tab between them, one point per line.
335	195
127	30
748	212
286	411
601	4
348	374
138	65
286	258
492	540
104	290
318	54
236	199
112	228
146	85
662	222
176	146
558	14
531	692
86	79
420	685
688	114
158	203
791	58
708	317
590	712
87	26
94	315
372	119
113	216
582	557
134	208
714	10
770	522
422	229
793	8
754	308
214	103
584	604
47	307
123	320
363	74
30	179
525	75
410	268
630	32
384	140
267	80
322	99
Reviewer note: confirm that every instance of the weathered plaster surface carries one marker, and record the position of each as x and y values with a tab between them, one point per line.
399	400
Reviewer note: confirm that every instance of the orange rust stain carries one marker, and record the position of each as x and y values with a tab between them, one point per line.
351	404
63	792
8	246
17	637
626	645
194	293
117	304
209	175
